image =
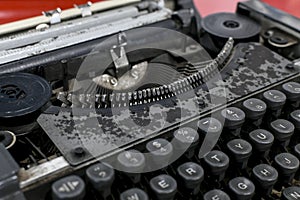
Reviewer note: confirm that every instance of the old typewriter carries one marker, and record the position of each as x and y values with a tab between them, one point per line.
140	100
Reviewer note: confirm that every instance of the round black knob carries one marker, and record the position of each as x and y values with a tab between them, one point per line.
191	174
70	187
242	188
292	90
234	117
274	99
295	119
282	130
261	139
240	150
291	193
216	195
134	194
254	108
132	163
164	187
217	163
160	152
101	176
265	176
287	165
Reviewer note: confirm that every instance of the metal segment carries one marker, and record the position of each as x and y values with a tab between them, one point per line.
149	95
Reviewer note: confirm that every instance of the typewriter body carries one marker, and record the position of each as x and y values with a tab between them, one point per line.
134	100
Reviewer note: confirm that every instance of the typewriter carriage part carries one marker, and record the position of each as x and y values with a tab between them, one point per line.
39	134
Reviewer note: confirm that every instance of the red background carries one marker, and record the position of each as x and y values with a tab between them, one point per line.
210	6
11	10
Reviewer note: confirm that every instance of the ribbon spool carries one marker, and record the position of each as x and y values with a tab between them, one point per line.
217	28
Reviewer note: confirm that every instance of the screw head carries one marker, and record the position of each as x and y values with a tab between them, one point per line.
79	151
114	81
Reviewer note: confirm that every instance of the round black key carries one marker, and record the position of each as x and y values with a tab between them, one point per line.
265	175
297	150
242	188
210	130
240	150
261	139
291	193
131	162
217	162
164	187
70	187
282	129
216	195
101	176
286	163
191	174
234	117
274	99
160	150
210	125
292	90
134	194
295	118
186	139
254	108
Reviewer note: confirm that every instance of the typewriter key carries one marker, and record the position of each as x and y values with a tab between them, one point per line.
287	165
186	139
134	194
70	187
292	91
240	150
192	175
291	193
132	163
101	176
164	187
234	119
295	119
282	130
265	177
241	188
217	163
254	108
216	195
262	141
160	152
274	99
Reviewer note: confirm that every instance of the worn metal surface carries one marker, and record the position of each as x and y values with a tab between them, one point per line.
82	35
251	68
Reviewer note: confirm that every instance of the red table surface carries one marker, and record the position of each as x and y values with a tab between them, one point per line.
211	6
12	10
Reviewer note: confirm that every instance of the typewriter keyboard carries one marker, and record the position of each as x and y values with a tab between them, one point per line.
256	157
